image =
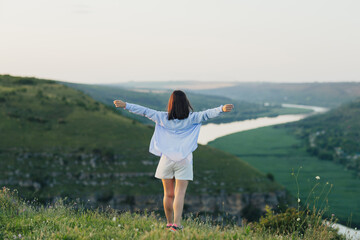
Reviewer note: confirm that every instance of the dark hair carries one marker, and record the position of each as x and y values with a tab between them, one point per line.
179	106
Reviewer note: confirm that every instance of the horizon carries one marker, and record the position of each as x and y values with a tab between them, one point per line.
115	42
179	81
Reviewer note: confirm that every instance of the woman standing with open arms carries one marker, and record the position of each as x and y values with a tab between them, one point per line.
174	139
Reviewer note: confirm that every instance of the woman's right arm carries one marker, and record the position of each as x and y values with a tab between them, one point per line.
140	110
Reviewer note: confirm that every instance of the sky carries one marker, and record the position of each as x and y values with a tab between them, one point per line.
109	41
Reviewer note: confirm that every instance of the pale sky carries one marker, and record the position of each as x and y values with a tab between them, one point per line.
107	41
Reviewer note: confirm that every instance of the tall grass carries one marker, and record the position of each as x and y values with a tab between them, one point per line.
20	219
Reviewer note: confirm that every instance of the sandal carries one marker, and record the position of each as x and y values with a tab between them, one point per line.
175	228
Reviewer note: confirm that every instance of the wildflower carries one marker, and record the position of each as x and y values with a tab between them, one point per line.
114	219
119	225
298	199
317	178
19	235
327	182
298	219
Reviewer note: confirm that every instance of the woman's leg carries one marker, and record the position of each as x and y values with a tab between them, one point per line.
168	185
180	190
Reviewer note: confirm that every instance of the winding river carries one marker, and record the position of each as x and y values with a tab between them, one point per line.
211	131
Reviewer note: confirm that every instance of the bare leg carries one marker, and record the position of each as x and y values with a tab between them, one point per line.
168	185
180	190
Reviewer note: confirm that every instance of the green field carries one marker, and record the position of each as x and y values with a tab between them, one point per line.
275	150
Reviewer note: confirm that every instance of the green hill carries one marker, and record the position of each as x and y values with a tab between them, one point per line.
333	136
57	141
158	100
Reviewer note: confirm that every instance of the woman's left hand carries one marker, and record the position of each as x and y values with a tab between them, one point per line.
119	103
227	107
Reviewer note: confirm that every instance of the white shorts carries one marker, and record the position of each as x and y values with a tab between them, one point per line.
168	169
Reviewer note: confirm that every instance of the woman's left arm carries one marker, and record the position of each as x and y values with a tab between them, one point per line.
140	110
199	117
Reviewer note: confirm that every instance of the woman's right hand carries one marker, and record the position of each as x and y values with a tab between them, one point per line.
119	103
227	107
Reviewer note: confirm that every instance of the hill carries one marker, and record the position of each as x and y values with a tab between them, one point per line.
158	99
316	94
57	141
333	136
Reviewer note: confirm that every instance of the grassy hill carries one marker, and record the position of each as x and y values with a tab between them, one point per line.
159	99
57	141
317	94
70	220
333	136
278	151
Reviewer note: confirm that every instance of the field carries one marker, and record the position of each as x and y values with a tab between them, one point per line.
274	150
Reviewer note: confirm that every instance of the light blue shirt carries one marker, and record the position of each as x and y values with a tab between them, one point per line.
174	138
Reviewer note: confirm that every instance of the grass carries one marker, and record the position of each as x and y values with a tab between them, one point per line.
277	151
72	220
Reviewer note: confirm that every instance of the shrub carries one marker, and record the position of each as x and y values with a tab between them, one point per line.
39	94
9	203
251	213
323	155
270	177
288	222
26	81
294	221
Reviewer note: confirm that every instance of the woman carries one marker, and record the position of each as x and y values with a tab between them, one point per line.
174	139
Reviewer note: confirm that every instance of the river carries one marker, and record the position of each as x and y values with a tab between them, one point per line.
211	131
